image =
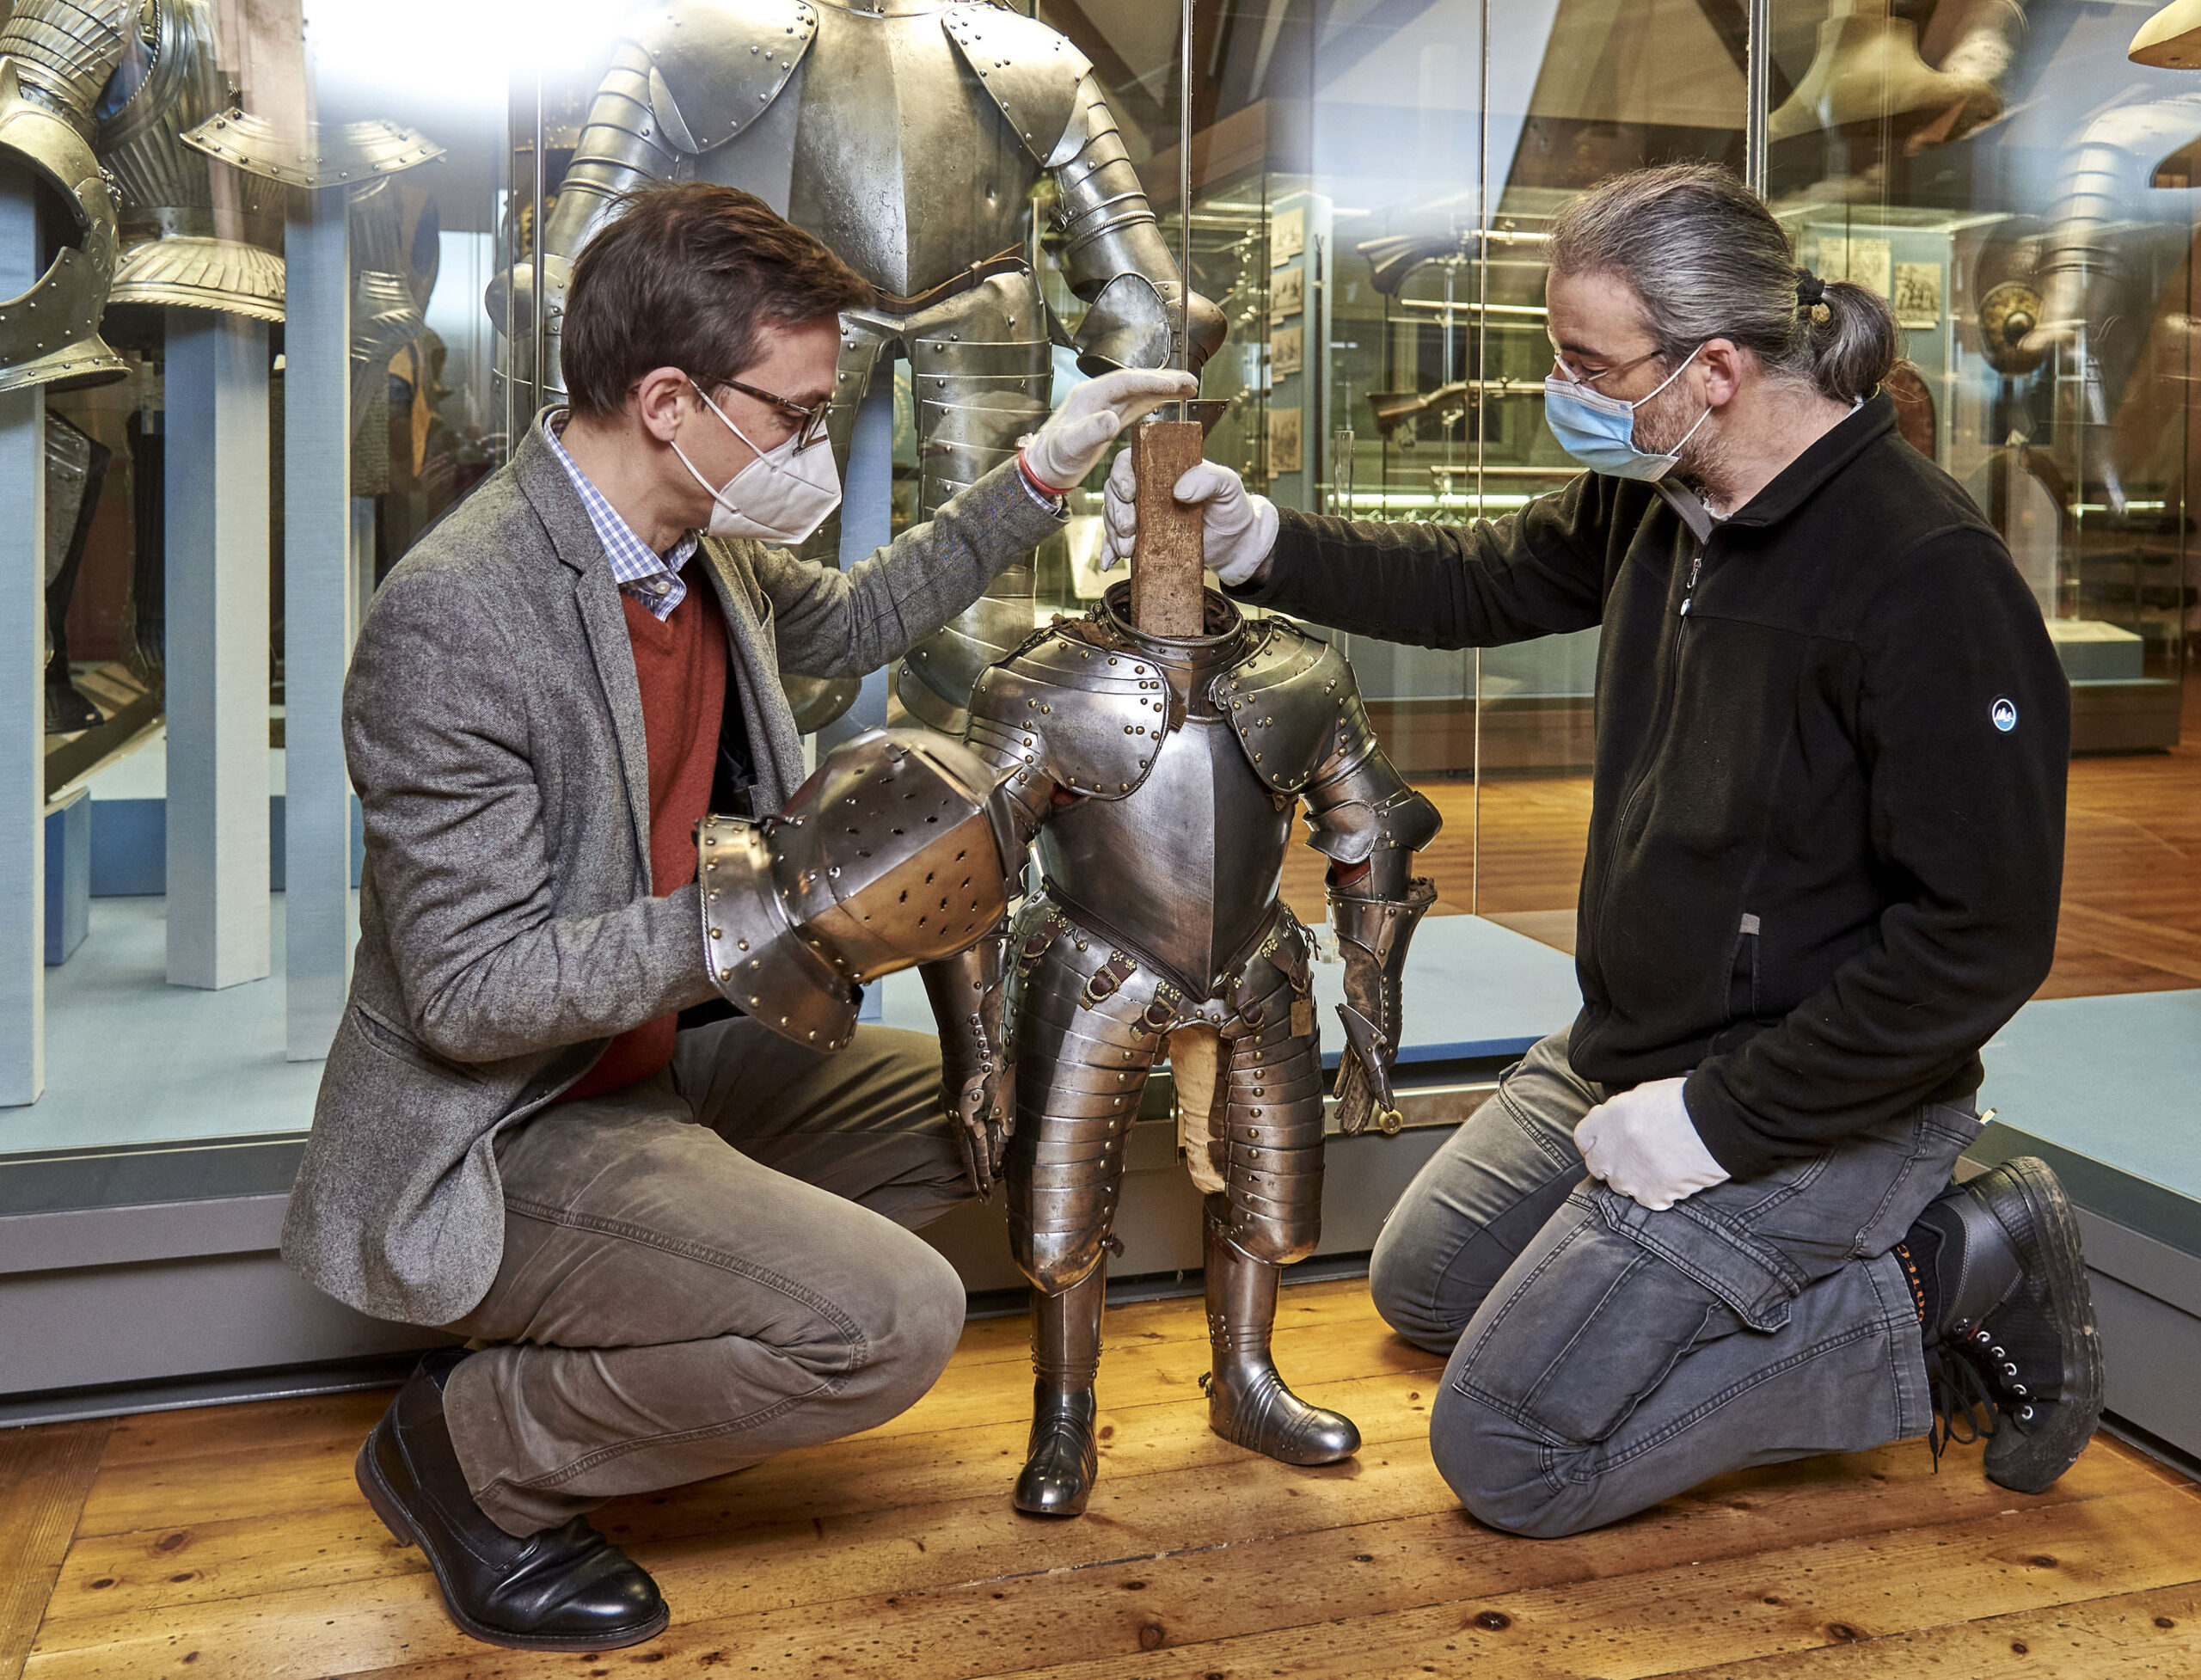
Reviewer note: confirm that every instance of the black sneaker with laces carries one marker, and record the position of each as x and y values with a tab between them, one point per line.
2012	1351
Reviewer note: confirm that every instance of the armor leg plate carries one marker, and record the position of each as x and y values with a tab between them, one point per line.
1269	1151
1247	1403
1063	1457
1269	1145
1081	1067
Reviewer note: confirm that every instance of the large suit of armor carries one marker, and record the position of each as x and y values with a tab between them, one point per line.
908	135
1160	775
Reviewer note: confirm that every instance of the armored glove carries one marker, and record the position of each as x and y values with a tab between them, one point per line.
1238	532
1643	1143
899	850
978	1080
1077	434
1373	936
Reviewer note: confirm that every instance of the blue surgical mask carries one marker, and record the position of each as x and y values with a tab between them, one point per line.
1599	431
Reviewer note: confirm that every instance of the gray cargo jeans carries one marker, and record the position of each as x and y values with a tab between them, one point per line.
708	1268
1604	1357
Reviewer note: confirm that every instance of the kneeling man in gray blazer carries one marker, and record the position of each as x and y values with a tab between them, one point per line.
680	1240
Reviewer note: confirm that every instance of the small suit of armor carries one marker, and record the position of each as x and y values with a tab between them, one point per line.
1160	775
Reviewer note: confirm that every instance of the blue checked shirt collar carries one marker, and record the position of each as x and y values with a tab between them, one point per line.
651	579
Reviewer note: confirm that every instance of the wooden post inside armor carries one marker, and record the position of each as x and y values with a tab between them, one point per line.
1166	557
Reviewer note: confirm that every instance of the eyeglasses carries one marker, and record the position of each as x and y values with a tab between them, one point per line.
1581	378
810	423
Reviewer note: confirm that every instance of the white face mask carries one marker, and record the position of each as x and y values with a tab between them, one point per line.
780	497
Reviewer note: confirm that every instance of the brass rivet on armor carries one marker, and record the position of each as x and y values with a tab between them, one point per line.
715	933
725	974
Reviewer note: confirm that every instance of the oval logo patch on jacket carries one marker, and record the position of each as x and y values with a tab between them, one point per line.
2005	714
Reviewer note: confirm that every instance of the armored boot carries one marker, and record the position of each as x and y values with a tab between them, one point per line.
1246	1401
1063	1458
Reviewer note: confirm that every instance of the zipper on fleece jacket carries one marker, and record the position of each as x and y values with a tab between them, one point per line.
1657	742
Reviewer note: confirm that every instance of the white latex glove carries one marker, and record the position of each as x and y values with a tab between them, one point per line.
1077	434
1238	532
1643	1143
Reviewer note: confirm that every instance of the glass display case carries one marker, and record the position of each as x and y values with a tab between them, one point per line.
221	486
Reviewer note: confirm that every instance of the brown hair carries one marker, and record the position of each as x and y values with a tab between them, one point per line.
685	274
1708	260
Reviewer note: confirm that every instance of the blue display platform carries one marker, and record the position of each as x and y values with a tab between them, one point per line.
1474	991
2107	1090
2115	1079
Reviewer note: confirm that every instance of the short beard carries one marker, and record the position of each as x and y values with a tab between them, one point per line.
1702	462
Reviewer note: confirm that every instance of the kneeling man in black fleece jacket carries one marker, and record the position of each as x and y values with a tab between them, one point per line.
1711	1223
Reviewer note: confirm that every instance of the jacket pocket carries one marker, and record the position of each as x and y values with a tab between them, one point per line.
1743	988
402	1046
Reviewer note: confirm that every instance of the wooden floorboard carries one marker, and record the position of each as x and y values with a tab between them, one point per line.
44	1474
231	1542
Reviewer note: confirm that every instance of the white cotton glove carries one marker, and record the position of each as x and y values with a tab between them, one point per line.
1643	1143
1237	533
1077	434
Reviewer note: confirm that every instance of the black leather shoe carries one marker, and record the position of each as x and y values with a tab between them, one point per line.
565	1589
2009	1322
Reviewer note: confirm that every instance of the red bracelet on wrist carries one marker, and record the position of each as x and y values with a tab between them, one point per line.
1024	466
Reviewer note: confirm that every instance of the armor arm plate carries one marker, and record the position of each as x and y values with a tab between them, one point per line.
1113	254
1369	822
626	144
895	853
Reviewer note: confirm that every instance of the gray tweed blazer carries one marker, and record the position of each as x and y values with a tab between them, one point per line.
493	727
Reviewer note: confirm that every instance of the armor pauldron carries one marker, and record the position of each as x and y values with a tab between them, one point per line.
716	67
1031	72
935	677
898	851
1092	719
1284	703
333	155
50	333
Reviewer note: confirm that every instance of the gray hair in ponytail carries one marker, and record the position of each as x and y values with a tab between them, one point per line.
1708	261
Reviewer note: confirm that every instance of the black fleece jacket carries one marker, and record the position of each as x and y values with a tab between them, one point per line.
1827	833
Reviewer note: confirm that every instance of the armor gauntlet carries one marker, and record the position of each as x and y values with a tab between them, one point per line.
898	851
1114	255
1373	933
978	1078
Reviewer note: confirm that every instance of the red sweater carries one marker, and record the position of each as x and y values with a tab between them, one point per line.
681	664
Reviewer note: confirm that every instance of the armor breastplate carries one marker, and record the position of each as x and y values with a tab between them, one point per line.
903	164
1184	870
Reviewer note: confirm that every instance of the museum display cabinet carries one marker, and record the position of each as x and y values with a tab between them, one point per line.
313	299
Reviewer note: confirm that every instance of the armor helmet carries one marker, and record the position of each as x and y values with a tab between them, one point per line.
898	850
50	335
